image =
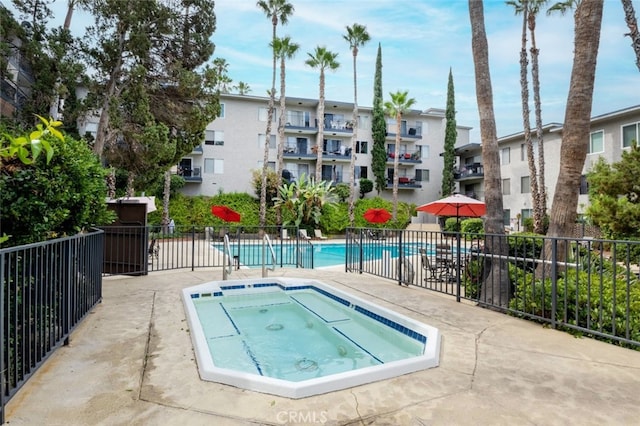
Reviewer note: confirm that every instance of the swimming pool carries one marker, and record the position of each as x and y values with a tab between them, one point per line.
297	338
324	254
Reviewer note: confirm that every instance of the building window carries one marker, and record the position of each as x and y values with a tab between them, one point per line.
272	143
361	172
422	175
505	156
526	214
213	137
506	217
263	114
630	135
523	151
221	110
596	142
362	147
424	151
364	122
584	185
213	165
525	185
506	186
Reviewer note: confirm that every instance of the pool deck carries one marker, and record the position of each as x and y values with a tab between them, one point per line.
131	362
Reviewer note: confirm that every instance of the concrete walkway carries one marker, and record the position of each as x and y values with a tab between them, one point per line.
131	362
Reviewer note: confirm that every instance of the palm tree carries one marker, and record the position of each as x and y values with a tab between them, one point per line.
276	10
399	104
495	289
321	59
284	49
243	88
573	151
523	7
632	23
221	67
356	36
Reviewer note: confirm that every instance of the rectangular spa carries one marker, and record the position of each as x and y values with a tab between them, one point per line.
299	337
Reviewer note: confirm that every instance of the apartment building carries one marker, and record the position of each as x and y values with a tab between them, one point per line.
610	135
15	85
234	146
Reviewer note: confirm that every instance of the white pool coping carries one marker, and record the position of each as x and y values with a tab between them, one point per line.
209	372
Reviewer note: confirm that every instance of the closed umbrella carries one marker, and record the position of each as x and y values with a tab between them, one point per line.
225	213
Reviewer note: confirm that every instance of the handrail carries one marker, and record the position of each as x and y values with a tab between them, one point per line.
227	266
266	242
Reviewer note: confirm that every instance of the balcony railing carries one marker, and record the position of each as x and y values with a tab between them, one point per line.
190	175
405	157
475	170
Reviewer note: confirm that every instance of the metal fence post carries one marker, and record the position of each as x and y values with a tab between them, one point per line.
554	281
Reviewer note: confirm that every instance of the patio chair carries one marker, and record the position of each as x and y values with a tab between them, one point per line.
284	235
428	266
318	234
303	234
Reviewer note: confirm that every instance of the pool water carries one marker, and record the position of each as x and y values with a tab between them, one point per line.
297	337
324	254
300	334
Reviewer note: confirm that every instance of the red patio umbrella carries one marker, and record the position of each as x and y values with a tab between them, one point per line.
225	213
377	215
456	205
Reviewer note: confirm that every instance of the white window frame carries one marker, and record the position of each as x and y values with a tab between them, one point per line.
637	139
591	148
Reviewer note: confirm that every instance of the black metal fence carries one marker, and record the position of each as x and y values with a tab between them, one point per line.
138	250
587	286
46	290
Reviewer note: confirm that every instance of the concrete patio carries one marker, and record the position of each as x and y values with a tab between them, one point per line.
131	362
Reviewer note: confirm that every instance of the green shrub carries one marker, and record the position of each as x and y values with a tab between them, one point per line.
596	299
342	191
66	196
472	228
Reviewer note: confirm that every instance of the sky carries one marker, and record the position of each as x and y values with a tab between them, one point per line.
421	40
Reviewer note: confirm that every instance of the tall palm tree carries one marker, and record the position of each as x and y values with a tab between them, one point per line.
356	36
495	289
285	49
321	59
573	151
522	7
399	104
275	10
243	88
541	205
632	24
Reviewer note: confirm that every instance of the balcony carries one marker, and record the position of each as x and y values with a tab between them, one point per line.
411	134
336	156
197	150
190	175
405	157
404	182
474	171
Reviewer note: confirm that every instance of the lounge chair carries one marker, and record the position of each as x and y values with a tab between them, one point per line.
303	234
284	235
318	234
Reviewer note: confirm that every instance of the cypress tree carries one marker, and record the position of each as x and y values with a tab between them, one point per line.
379	129
450	136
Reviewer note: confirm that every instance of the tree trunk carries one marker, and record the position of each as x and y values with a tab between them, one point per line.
575	133
524	92
396	163
320	138
354	141
267	136
632	23
281	137
542	190
103	123
495	288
